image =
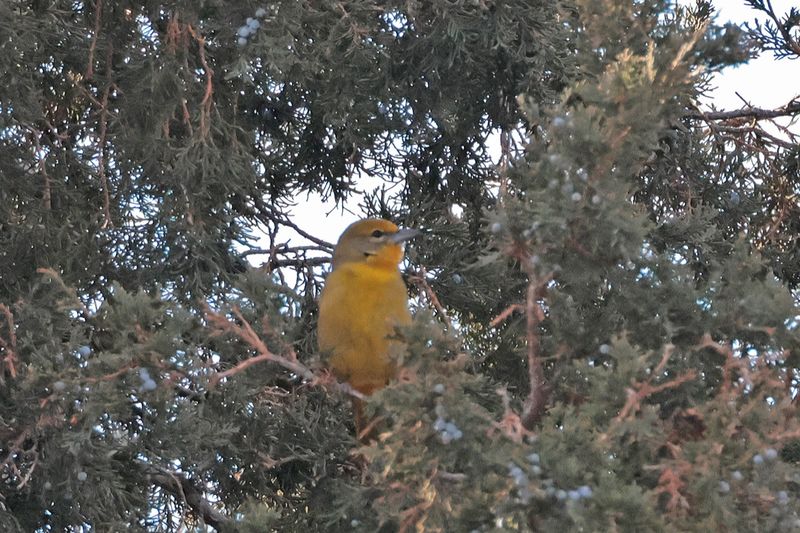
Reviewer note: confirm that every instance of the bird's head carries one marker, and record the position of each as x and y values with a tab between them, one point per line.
373	241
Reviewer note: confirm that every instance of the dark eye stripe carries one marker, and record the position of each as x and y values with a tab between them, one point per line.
377	233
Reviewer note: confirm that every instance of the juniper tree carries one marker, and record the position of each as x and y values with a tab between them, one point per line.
605	331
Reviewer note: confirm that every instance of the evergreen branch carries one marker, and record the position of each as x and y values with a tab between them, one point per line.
181	487
789	45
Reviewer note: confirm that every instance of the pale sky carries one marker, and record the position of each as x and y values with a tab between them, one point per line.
763	82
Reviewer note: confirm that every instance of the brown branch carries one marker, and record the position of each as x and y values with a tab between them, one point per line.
207	101
640	392
101	166
183	488
9	346
279	218
419	280
41	165
505	156
98	11
248	336
535	403
245	333
507	312
113	375
757	113
299	262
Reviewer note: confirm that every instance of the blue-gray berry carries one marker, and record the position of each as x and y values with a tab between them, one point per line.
261	12
84	351
771	454
585	491
758	459
737	476
438	388
724	487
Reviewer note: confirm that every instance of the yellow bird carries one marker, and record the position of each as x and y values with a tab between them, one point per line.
363	300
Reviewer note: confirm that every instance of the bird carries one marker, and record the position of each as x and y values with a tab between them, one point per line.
364	299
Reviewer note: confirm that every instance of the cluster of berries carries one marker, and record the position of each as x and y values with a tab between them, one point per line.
448	430
148	384
250	27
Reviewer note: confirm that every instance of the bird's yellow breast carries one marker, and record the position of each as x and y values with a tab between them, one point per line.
360	307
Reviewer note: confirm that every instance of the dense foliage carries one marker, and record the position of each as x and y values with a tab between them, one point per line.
606	332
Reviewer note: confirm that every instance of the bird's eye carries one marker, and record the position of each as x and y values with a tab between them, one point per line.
377	233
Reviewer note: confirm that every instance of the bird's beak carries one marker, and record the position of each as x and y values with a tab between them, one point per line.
403	235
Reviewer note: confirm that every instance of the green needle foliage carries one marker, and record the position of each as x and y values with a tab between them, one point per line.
606	323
